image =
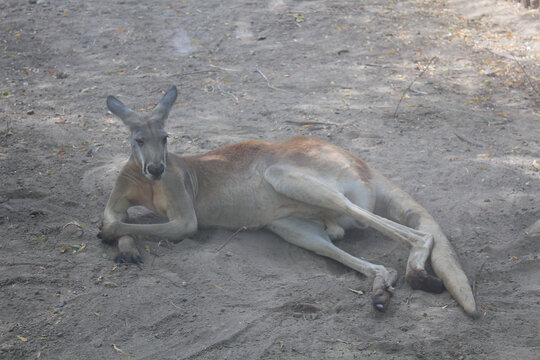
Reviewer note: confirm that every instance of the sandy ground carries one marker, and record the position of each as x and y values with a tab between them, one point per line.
462	141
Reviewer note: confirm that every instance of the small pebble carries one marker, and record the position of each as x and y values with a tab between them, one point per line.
62	303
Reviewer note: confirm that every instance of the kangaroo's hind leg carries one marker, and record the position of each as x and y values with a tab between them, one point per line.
308	188
311	235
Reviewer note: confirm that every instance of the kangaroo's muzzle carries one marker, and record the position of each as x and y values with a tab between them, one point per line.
154	171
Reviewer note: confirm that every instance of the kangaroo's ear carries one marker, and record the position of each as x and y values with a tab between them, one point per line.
161	111
128	116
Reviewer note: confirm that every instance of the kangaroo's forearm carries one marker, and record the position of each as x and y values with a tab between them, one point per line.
172	230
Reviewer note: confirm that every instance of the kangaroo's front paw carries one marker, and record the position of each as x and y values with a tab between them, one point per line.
128	253
128	258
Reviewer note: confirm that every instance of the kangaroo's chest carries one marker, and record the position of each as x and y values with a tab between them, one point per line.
160	200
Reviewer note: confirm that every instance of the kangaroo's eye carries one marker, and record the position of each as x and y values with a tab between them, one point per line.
139	142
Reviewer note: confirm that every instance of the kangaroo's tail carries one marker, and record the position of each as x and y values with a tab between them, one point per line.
398	206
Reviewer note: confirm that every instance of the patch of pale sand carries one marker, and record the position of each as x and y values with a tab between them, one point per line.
504	16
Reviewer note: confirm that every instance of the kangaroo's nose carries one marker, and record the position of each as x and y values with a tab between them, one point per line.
156	170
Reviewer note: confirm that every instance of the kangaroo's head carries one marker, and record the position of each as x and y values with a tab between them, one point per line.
148	136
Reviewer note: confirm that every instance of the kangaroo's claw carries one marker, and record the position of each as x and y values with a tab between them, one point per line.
381	299
128	258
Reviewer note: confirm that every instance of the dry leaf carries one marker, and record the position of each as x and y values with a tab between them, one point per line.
476	100
76	224
516	84
359	292
112	269
480	167
120	351
485	156
83	246
483	305
63	249
41	238
536	165
22	338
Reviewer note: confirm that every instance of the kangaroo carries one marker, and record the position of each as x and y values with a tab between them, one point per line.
305	190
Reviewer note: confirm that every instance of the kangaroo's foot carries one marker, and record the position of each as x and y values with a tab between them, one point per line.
420	279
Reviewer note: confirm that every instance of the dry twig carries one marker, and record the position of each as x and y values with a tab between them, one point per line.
411	84
526	75
464	139
224	93
230	237
197	72
268	81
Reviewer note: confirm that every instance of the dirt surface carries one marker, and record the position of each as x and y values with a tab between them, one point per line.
462	141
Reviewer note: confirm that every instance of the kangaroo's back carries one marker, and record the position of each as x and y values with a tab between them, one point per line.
233	191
